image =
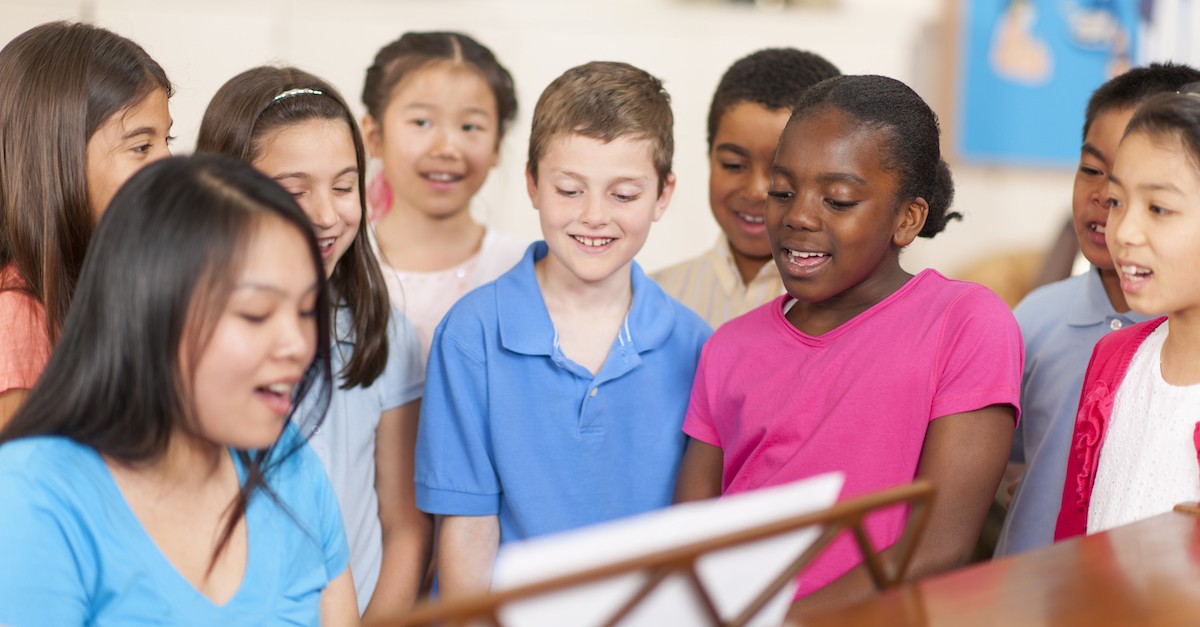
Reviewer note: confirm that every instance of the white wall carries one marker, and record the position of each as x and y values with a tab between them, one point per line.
687	44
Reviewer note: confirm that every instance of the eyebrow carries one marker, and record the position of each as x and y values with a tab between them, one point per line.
304	175
267	287
430	105
1093	151
734	148
146	130
619	179
840	177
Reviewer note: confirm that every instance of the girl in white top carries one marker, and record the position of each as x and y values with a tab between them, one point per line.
296	129
438	104
1149	446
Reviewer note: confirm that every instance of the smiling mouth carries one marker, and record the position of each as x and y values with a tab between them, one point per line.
803	258
749	219
1097	228
441	177
593	242
1135	274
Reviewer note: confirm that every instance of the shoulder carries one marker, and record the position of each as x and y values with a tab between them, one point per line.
1048	304
959	302
1126	340
743	331
654	310
44	456
54	471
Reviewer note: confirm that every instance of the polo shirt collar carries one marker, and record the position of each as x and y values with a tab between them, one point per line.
525	325
1092	307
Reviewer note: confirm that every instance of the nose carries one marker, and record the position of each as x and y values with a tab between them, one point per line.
295	338
320	210
1125	226
801	214
446	142
757	187
593	213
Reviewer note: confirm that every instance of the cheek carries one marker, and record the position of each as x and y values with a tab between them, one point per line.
350	213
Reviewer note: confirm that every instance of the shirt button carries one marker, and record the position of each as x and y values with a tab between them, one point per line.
1115	324
594	391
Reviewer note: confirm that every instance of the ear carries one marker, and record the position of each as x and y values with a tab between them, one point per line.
372	136
909	221
664	199
531	185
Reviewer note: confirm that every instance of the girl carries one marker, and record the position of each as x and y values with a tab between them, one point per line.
149	476
1134	450
860	367
296	129
438	105
81	110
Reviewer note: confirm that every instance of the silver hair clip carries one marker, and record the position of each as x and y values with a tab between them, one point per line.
296	92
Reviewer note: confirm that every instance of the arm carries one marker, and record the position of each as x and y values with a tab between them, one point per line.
466	550
700	472
338	605
10	402
407	532
964	457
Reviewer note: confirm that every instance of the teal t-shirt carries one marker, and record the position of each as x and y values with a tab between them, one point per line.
73	553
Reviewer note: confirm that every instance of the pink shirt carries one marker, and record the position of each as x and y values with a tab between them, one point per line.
24	345
785	406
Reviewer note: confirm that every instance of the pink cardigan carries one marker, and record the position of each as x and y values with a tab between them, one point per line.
1105	371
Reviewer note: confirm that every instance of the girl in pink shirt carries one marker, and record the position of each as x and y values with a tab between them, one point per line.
82	109
861	367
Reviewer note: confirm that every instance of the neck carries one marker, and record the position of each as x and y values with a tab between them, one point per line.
821	317
416	241
748	267
562	290
187	463
1112	287
1181	349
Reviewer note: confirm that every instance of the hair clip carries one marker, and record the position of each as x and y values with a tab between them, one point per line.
296	92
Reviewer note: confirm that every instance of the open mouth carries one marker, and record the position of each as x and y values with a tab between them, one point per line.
1135	274
805	258
441	177
593	242
1096	227
749	219
277	396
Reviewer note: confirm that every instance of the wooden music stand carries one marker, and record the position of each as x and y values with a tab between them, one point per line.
659	566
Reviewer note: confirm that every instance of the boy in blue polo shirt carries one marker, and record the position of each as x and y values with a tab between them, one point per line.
555	395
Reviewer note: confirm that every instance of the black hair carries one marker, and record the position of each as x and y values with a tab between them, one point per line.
1132	88
158	273
242	114
1170	116
416	50
772	77
911	146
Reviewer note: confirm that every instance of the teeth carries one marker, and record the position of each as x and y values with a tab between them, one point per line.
1135	271
745	217
326	243
441	177
793	255
592	241
284	389
1098	228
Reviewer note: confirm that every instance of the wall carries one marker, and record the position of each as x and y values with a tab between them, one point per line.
687	44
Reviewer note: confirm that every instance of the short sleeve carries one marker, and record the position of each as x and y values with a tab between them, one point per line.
980	356
455	472
332	530
698	422
40	580
404	376
24	347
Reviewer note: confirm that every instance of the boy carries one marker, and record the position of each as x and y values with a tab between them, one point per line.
1062	322
555	395
748	112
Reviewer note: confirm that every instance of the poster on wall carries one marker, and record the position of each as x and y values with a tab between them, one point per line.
1028	69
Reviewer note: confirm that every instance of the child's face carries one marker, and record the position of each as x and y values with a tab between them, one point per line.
1154	224
739	175
833	217
315	162
596	203
124	143
1089	201
262	343
438	139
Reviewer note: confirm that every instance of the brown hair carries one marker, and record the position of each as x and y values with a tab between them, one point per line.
61	81
245	111
605	100
415	51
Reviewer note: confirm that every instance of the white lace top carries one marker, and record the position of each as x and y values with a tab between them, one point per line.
1148	459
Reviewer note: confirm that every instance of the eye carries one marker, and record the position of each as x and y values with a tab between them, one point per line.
1089	171
626	197
344	190
569	193
170	139
142	149
471	127
781	196
840	204
1160	211
1112	203
421	122
730	166
254	318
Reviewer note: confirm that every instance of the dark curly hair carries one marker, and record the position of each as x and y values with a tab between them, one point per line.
772	77
910	146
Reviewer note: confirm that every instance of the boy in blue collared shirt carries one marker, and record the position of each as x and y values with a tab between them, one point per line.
555	395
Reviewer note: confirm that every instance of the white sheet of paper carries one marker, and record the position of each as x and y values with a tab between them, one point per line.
733	576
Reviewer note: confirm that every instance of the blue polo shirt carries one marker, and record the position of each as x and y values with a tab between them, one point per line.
512	427
1061	324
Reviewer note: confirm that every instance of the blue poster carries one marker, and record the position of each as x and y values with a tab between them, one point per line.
1030	67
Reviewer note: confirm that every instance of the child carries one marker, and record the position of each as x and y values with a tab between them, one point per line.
149	476
748	111
438	105
83	108
1134	449
1062	321
555	394
296	129
861	367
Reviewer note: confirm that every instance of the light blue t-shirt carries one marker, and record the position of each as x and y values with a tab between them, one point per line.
72	552
1061	324
511	427
345	440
